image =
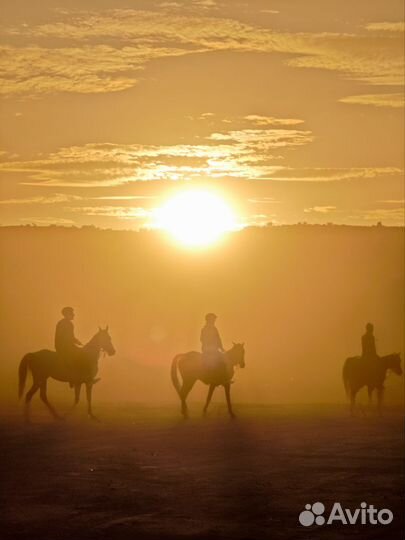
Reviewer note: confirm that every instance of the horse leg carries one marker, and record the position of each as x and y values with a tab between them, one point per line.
380	395
184	392
44	397
209	396
77	394
227	388
370	395
89	388
352	401
28	396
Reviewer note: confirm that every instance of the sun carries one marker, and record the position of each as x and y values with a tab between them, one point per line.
196	218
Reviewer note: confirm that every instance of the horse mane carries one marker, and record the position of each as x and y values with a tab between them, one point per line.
92	341
391	357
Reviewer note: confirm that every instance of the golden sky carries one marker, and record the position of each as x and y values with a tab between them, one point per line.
291	109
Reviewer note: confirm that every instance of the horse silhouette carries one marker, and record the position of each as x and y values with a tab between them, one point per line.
192	367
359	372
45	363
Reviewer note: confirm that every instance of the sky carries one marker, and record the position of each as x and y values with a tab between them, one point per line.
290	110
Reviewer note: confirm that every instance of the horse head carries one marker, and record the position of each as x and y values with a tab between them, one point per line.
238	354
104	340
393	362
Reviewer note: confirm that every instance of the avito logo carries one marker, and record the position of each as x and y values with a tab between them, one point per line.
365	515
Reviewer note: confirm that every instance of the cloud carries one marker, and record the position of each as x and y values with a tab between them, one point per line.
55	199
234	153
120	212
87	69
373	60
104	51
334	174
377	100
400	202
271	121
263	200
386	26
122	197
320	209
266	138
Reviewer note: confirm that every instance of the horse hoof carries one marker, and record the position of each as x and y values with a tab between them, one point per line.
94	418
232	416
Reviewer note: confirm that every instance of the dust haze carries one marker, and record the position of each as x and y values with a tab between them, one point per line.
298	296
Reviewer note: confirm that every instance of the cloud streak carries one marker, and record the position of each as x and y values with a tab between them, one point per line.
235	153
105	51
395	101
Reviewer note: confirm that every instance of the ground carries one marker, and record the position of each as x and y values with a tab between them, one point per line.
143	473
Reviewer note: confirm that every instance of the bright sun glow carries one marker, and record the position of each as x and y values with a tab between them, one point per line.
196	218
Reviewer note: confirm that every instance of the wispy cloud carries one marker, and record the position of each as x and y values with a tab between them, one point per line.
288	174
395	101
320	209
104	51
386	26
120	212
259	120
55	199
236	153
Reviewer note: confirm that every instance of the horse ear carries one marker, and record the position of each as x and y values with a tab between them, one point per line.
99	328
106	328
233	343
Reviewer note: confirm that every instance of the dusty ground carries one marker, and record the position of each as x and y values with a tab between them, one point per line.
144	473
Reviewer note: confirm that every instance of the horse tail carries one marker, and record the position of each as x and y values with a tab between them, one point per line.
173	372
22	373
346	377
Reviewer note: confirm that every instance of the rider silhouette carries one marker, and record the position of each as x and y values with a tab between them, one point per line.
67	346
368	349
66	343
211	343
